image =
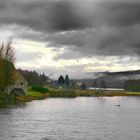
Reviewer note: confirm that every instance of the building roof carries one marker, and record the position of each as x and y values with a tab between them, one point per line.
18	76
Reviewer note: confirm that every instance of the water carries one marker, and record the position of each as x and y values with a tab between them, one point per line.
116	89
91	118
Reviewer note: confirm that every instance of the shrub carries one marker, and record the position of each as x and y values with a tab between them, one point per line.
40	89
6	100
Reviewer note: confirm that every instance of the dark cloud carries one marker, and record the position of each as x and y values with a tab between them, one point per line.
85	29
63	16
60	15
123	13
43	16
103	41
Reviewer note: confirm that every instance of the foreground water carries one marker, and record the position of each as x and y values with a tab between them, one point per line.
73	119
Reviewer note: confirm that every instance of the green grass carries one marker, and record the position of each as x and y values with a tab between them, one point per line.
31	95
133	93
40	89
34	94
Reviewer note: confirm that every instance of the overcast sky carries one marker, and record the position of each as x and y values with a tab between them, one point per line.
73	37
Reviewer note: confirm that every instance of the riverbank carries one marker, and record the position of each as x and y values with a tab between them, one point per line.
31	95
57	93
105	93
62	93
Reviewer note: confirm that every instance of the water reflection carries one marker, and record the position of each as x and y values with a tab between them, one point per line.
80	118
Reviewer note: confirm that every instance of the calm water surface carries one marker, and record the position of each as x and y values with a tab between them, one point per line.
73	119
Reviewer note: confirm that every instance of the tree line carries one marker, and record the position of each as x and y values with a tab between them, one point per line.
34	78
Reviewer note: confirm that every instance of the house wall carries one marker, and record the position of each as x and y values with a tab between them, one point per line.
18	84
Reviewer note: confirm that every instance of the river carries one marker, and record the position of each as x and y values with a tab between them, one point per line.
81	118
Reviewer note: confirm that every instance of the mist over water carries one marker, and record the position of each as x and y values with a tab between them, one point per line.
73	119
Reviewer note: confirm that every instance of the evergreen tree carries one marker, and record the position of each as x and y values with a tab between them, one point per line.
61	80
67	81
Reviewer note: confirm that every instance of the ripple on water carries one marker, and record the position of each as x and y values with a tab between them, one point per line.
73	119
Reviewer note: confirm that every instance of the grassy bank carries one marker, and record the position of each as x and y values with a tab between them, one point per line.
105	93
31	95
11	100
54	93
63	93
133	93
99	93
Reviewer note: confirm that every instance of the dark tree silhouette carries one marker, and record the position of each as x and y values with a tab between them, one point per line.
61	80
67	81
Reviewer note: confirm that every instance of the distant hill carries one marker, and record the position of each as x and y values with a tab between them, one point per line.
111	79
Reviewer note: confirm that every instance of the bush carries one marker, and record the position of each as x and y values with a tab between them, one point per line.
40	89
6	100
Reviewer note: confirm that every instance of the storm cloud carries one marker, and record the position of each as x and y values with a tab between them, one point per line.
42	15
84	29
92	27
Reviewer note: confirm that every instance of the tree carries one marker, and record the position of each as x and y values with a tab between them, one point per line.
61	80
67	81
1	73
6	65
83	86
43	78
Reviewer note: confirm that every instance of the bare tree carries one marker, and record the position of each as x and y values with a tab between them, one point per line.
6	64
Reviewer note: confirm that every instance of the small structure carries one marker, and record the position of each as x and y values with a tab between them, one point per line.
19	87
